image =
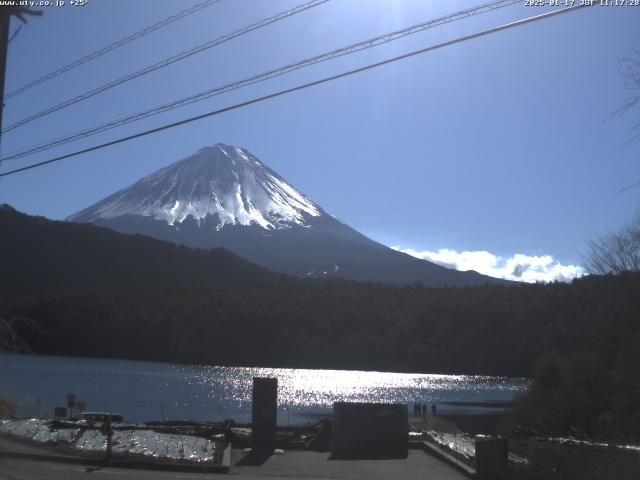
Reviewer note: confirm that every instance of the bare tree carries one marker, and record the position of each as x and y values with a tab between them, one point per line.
630	72
9	339
619	252
616	252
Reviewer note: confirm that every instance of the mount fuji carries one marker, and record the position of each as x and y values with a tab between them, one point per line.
223	196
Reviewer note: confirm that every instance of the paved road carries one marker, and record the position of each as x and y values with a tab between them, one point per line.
9	445
291	465
12	469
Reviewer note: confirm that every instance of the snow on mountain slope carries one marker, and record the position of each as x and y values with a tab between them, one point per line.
222	181
223	196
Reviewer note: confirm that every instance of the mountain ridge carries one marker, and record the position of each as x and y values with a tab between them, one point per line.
38	253
224	196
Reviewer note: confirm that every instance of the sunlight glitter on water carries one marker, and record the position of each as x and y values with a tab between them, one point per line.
305	387
152	391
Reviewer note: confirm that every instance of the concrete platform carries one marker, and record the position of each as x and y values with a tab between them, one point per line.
291	465
28	462
314	465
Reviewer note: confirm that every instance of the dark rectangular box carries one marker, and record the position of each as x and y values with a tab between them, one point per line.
492	458
370	430
264	413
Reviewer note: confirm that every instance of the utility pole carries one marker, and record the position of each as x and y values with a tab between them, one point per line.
6	12
5	21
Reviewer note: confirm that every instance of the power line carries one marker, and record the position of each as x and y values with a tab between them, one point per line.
363	45
113	46
300	87
167	62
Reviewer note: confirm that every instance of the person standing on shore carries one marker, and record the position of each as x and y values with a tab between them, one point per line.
424	410
433	409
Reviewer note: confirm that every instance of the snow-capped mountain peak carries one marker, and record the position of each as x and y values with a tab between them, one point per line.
223	182
224	197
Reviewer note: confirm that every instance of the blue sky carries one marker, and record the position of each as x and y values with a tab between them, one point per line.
497	147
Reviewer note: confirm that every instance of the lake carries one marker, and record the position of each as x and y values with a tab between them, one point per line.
153	391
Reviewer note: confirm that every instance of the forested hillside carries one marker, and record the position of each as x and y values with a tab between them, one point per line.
37	253
482	330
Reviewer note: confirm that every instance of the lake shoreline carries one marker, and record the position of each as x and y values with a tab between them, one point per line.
142	390
267	366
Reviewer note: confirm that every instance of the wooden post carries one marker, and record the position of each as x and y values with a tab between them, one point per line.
109	432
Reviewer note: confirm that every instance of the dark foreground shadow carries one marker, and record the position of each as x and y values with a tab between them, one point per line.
369	456
255	458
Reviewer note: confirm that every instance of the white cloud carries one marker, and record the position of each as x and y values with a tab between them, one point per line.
518	267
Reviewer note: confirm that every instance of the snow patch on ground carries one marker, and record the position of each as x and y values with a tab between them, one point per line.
151	444
464	445
146	443
37	430
575	441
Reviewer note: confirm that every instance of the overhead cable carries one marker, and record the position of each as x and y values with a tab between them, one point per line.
123	41
166	62
300	87
356	47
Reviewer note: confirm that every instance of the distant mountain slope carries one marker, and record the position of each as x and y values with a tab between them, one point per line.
223	196
37	253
